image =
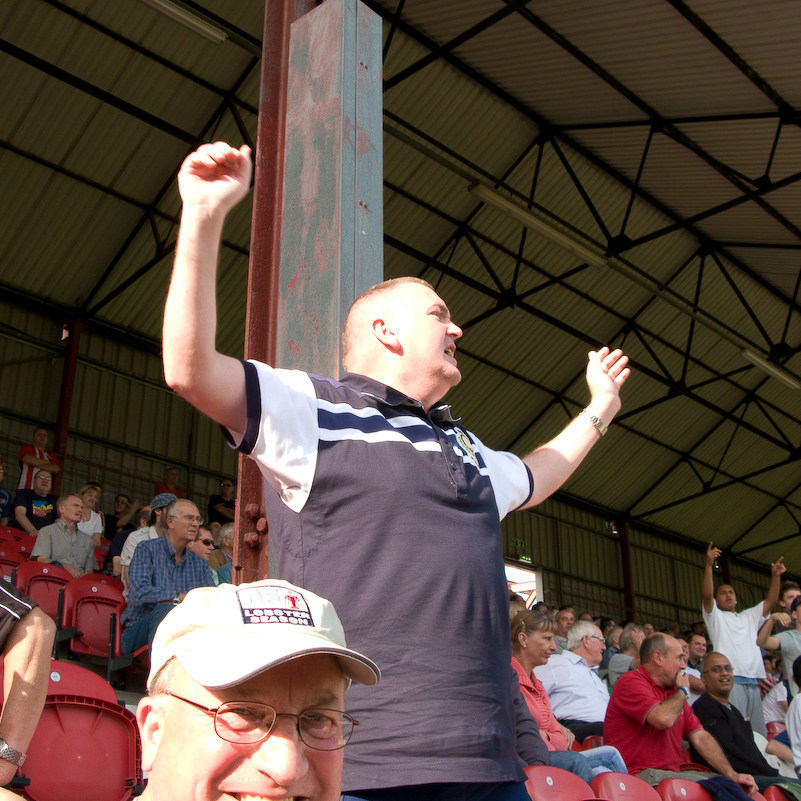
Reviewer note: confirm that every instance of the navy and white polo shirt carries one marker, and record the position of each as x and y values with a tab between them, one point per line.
394	515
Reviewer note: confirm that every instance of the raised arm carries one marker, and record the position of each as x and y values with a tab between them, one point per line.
708	584
212	180
553	463
666	714
772	598
764	638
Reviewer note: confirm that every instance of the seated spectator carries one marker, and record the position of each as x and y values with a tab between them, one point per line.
62	544
648	629
578	697
91	523
26	637
235	693
781	747
225	572
34	458
168	484
612	648
793	719
648	717
773	692
694	682
606	624
786	642
203	546
157	528
162	572
35	508
221	507
628	657
565	618
123	518
727	725
697	650
112	565
532	645
6	510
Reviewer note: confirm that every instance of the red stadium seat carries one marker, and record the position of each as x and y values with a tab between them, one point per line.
68	678
87	608
623	787
117	660
42	582
774	728
681	790
593	741
10	559
545	783
83	748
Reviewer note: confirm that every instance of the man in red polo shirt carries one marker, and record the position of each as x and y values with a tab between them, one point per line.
648	716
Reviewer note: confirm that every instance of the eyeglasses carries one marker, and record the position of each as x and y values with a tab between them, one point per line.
595	637
191	519
248	723
227	486
719	669
206	542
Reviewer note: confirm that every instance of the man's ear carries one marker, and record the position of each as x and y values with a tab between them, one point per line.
383	332
150	719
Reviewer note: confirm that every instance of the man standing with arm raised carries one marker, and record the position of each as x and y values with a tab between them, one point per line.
375	482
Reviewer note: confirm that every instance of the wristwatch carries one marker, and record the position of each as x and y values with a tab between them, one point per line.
11	754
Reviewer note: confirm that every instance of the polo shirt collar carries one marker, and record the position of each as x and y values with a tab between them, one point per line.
440	413
62	526
576	659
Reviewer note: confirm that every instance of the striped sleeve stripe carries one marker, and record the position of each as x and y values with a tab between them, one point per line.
356	435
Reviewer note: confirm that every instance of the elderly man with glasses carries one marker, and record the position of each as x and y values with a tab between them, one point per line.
161	573
578	696
247	696
727	725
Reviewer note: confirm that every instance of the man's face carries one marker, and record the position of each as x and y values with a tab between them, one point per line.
697	648
71	511
426	338
120	505
171	476
595	647
40	439
718	676
564	620
184	525
42	483
227	489
672	662
189	762
726	598
202	545
788	598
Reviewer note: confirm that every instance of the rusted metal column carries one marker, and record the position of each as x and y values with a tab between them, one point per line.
622	529
73	331
250	543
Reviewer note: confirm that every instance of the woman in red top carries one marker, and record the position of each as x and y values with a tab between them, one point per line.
532	644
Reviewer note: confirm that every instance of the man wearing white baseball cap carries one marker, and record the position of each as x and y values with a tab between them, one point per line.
247	696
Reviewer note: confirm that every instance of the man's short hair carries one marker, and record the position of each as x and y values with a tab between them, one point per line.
172	507
122	495
696	635
143	517
577	632
794	604
613	632
227	532
351	328
62	499
652	644
625	637
787	586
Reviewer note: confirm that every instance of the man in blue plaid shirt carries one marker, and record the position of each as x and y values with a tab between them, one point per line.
161	573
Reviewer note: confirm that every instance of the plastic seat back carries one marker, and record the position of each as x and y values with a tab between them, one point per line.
88	605
68	678
623	787
41	583
83	748
545	783
681	790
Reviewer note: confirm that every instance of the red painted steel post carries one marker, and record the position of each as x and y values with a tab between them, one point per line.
73	330
250	543
622	529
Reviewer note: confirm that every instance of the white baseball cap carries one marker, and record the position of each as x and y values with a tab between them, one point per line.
222	636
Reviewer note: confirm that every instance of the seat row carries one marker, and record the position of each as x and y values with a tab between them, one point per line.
86	610
553	784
